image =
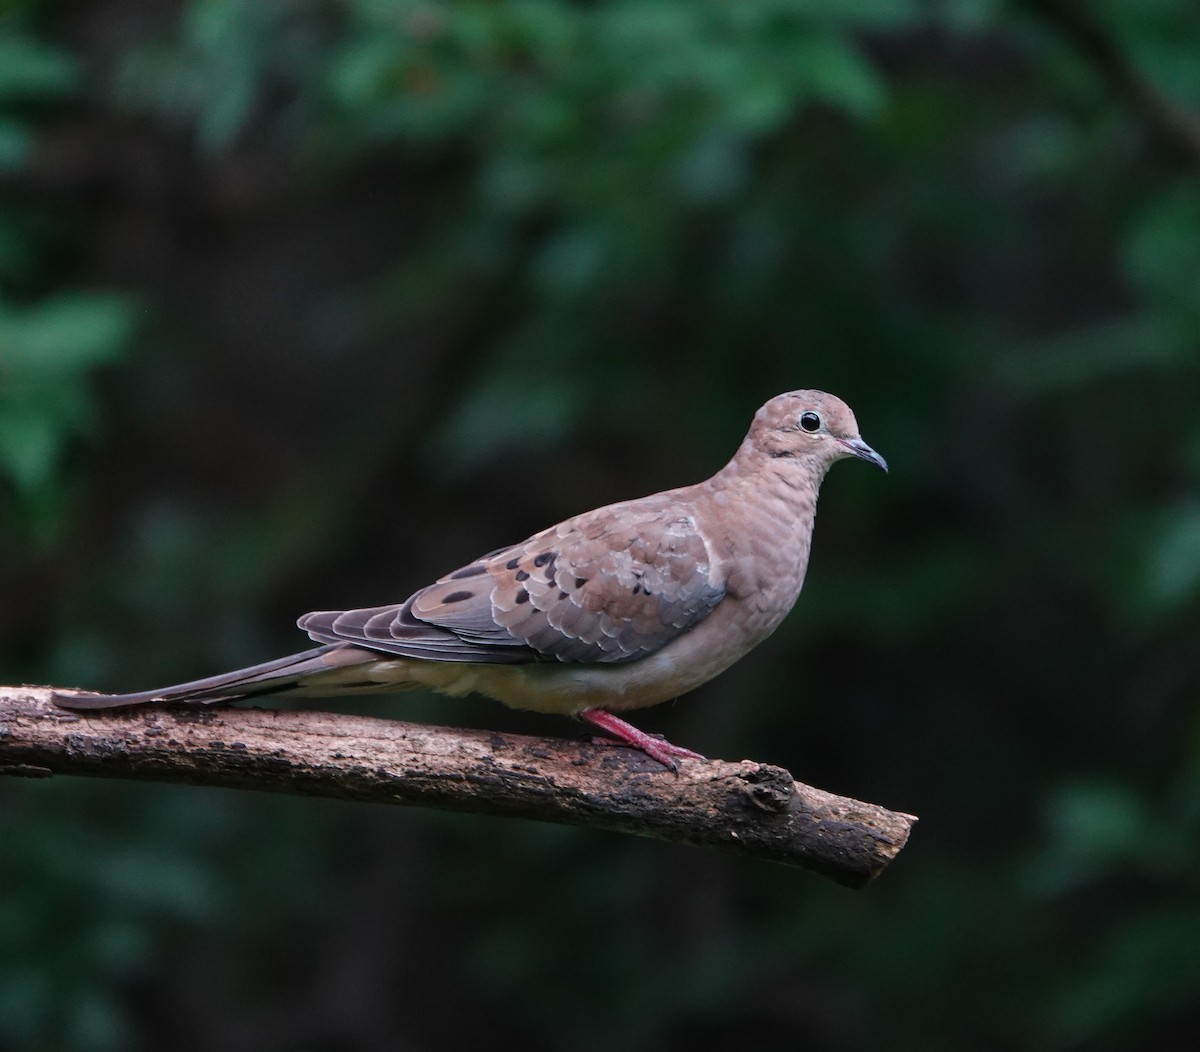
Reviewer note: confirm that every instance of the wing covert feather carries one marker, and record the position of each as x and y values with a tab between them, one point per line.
609	586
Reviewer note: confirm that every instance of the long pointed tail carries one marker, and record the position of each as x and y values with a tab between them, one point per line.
268	678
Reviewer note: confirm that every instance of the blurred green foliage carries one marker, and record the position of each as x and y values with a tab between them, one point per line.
292	292
52	335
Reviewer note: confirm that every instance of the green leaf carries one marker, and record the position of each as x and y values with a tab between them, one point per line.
1172	572
1163	255
1108	347
45	353
62	336
30	444
840	75
30	70
1143	961
14	145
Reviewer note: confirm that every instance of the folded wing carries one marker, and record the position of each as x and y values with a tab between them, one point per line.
610	586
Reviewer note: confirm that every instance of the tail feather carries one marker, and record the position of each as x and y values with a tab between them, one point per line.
268	678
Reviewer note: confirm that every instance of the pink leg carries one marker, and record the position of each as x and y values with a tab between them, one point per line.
656	748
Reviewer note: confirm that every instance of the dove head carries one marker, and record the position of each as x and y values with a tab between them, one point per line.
810	429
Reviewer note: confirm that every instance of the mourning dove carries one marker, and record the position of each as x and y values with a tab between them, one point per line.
616	609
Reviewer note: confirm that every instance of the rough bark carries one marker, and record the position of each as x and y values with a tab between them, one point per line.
747	808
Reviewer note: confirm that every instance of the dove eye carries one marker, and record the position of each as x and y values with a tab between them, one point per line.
810	421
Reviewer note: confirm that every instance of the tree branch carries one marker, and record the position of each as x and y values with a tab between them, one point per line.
1176	128
747	808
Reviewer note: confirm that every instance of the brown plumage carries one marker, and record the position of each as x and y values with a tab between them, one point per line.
615	609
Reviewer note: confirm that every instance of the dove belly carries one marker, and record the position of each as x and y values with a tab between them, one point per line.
568	688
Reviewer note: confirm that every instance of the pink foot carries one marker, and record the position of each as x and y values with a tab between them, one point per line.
626	734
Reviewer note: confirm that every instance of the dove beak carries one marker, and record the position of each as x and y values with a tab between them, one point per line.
856	447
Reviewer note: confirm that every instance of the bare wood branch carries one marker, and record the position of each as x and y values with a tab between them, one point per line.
747	808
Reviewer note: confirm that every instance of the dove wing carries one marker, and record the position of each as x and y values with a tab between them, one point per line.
609	586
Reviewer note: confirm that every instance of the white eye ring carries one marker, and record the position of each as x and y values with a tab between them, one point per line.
810	421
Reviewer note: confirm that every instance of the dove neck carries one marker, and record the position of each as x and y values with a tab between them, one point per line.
757	474
765	506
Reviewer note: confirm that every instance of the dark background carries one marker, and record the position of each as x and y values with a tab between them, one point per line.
303	304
